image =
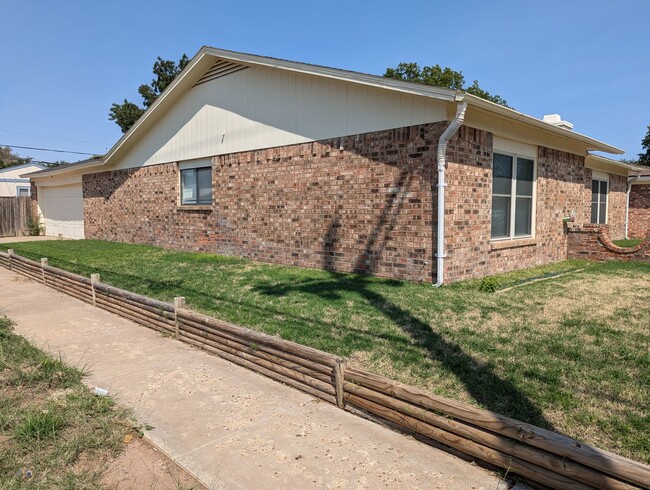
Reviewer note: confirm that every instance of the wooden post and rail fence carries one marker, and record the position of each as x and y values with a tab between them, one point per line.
536	454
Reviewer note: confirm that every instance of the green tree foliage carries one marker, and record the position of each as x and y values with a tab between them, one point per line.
126	114
10	159
644	158
440	77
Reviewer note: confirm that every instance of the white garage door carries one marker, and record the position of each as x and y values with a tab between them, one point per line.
62	209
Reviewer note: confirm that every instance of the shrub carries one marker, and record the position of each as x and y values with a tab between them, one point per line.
34	227
489	285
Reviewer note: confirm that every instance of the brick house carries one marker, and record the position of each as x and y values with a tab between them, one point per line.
298	164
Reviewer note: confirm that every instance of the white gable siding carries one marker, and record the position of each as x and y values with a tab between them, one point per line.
261	108
10	179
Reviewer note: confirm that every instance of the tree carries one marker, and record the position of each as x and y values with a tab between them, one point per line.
10	159
126	114
440	77
644	158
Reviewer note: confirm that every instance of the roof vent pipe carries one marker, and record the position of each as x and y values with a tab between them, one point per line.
455	124
556	120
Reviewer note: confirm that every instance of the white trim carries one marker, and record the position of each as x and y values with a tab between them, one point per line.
596	175
198	163
599	177
19	187
502	145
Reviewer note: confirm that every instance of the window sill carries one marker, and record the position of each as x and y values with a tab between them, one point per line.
194	207
512	243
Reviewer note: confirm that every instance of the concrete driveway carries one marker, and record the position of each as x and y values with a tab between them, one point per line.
228	426
16	239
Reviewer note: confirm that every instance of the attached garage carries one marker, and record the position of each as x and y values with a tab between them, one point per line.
62	211
58	196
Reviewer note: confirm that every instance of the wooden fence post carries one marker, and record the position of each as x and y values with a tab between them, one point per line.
339	378
43	265
179	302
93	279
10	252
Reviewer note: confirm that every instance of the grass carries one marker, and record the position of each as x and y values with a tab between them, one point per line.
53	431
627	242
571	353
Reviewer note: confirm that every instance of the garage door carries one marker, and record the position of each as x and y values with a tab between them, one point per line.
62	209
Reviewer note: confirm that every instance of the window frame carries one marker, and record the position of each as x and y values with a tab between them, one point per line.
196	170
600	178
23	188
513	197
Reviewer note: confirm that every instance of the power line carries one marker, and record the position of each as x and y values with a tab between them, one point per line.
53	137
49	149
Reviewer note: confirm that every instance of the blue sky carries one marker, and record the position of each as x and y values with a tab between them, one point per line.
65	63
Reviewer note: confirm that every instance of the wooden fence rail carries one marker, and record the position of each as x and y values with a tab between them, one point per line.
540	455
15	213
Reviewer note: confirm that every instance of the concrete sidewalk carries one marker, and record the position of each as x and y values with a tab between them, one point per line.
230	427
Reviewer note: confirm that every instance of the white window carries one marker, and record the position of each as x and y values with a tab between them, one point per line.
23	191
513	190
599	188
196	186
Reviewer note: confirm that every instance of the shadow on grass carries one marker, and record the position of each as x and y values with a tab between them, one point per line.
478	378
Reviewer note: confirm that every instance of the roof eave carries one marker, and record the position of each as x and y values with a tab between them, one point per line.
591	143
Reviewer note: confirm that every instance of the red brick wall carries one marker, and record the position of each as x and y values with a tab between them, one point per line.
468	201
593	242
639	224
366	208
616	206
563	185
369	207
139	205
34	197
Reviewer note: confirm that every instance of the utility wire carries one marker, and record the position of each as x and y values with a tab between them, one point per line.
49	149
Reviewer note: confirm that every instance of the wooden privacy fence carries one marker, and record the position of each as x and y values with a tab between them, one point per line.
537	454
14	215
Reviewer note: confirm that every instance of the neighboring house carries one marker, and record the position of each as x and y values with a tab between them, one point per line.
640	204
11	182
299	164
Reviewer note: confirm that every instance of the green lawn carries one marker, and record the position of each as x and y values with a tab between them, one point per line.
570	353
627	242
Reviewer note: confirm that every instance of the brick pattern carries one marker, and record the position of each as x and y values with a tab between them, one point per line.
616	206
365	208
140	205
593	242
563	184
639	217
363	203
468	204
34	197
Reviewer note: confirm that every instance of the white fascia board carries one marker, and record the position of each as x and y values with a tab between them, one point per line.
597	162
641	180
591	143
62	171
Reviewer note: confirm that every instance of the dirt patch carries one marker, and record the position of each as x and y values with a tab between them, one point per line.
141	465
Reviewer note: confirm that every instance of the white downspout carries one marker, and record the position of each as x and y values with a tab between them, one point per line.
627	203
456	123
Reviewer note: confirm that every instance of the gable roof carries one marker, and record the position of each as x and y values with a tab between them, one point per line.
204	61
24	165
65	167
